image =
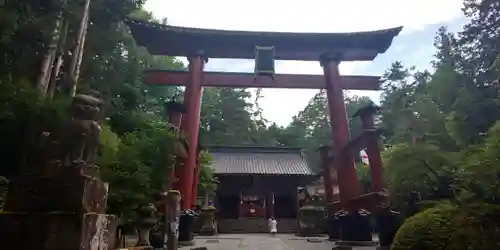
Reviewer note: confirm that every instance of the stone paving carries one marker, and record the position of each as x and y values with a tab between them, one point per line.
264	242
259	242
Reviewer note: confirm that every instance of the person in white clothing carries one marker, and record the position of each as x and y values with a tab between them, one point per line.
273	226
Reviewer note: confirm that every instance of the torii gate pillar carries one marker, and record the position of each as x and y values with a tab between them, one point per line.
190	126
353	227
348	183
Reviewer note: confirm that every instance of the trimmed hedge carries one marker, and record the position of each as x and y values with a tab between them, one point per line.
450	227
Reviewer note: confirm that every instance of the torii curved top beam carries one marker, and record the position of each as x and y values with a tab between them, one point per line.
180	41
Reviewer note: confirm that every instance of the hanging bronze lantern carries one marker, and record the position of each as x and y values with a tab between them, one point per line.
264	61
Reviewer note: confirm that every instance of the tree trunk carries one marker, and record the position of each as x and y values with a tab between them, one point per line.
48	60
72	77
56	70
76	76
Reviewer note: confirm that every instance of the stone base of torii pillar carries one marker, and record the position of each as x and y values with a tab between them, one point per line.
61	209
352	217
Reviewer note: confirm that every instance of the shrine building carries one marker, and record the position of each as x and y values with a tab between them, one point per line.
256	183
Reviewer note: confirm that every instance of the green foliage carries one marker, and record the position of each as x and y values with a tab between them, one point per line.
23	116
207	182
310	128
364	177
452	113
129	181
478	224
137	164
448	226
427	230
109	147
135	148
421	168
481	173
226	118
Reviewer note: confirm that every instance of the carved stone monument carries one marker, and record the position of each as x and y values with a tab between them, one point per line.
81	134
61	206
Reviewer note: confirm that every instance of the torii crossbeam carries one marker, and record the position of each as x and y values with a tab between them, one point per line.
248	80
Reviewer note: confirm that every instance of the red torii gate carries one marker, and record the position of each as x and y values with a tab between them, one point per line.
330	49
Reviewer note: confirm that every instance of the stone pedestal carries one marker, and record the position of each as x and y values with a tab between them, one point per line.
333	227
70	189
355	227
311	221
186	235
169	203
57	231
388	223
61	209
208	222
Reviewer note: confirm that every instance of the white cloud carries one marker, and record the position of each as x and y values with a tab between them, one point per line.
310	16
298	16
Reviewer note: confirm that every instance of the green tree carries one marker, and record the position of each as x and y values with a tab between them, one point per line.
225	117
424	169
310	128
481	168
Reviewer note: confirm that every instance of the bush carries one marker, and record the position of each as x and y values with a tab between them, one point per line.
429	229
479	228
481	171
451	227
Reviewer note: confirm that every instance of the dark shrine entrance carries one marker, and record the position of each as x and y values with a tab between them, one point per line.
198	45
228	206
285	206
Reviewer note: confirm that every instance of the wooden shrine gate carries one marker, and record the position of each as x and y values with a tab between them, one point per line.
198	45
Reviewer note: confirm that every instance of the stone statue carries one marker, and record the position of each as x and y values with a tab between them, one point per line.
80	138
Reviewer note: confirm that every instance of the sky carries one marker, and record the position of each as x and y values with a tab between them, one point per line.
414	46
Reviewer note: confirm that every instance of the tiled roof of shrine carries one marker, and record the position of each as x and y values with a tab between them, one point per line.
259	160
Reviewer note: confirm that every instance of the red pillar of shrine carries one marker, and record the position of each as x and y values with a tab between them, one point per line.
326	163
190	126
348	183
372	148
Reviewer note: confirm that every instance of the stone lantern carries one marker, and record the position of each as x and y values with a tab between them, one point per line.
174	111
145	221
208	222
